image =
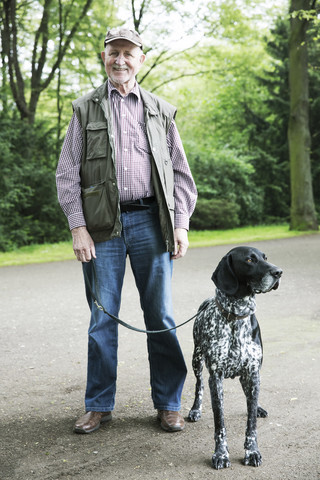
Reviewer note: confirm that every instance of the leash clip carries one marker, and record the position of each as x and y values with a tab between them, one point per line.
98	305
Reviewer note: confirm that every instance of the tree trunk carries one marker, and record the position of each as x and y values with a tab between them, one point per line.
41	73
303	214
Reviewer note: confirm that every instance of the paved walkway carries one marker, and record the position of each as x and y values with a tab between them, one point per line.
44	319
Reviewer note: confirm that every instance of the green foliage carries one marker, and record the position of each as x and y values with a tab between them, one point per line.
28	201
231	91
226	188
269	122
215	214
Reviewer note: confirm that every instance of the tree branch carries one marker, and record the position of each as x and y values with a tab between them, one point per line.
63	50
159	60
37	66
172	79
10	45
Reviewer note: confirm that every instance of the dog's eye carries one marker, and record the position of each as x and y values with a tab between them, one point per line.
252	259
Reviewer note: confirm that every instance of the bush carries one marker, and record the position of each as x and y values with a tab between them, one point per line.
215	214
226	181
30	212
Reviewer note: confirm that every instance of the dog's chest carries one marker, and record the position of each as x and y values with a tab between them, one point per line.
227	346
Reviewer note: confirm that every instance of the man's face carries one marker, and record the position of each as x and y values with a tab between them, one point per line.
122	61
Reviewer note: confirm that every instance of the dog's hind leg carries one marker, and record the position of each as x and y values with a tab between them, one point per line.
220	458
251	386
261	412
197	365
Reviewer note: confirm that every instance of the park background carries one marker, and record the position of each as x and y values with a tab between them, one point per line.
245	76
226	65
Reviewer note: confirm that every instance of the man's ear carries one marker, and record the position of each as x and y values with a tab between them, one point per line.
142	58
103	56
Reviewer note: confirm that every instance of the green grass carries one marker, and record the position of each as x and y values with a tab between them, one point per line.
38	254
63	250
208	238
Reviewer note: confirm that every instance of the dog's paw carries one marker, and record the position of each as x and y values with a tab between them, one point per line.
262	413
194	415
252	458
220	461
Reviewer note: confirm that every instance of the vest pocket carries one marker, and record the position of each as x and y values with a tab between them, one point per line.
99	206
97	140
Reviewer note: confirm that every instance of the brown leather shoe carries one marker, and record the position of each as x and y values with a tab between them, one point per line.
171	421
91	421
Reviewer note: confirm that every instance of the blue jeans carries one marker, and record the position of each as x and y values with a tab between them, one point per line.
152	268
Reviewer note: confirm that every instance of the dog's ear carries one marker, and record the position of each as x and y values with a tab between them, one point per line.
224	277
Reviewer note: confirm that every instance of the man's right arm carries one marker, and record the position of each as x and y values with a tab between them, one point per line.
69	190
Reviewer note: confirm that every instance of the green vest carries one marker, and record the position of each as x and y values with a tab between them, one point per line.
100	195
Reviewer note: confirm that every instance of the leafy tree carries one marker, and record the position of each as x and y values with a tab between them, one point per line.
15	33
216	133
268	120
303	214
28	201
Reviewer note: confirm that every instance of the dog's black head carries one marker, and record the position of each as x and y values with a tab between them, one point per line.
245	271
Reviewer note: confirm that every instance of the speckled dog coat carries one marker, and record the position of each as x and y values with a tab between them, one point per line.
227	338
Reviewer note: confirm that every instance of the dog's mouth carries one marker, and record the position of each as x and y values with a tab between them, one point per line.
274	286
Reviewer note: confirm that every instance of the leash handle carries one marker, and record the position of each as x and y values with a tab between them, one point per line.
98	304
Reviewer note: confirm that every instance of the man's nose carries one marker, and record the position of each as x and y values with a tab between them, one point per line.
120	60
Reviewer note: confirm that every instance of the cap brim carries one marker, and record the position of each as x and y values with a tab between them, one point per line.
122	38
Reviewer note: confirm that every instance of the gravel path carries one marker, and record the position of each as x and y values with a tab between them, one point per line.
44	320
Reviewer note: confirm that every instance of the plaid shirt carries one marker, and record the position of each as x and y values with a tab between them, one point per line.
133	161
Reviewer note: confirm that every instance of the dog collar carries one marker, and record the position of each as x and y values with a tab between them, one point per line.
230	317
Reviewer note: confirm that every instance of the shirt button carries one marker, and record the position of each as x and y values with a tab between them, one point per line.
125	168
125	189
125	149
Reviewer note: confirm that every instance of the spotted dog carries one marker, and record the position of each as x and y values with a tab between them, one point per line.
227	338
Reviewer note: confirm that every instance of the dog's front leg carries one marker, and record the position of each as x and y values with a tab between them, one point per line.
197	365
220	458
261	412
252	453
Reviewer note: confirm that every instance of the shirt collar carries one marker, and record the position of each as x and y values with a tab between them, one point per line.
113	90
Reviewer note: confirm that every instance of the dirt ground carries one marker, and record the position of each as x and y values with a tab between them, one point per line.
43	349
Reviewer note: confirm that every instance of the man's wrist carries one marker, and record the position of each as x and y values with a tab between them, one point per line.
181	221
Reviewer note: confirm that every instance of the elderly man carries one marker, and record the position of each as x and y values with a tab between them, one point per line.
125	186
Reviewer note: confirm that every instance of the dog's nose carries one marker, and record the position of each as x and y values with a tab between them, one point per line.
277	272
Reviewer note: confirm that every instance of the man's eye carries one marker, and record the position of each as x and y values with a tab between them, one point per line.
249	260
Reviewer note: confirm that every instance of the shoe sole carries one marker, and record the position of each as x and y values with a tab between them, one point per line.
103	420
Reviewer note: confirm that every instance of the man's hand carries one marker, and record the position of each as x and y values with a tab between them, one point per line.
83	245
181	243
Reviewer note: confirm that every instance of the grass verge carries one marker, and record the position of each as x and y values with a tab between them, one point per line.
63	251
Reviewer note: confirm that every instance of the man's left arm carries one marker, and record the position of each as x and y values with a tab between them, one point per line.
185	191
